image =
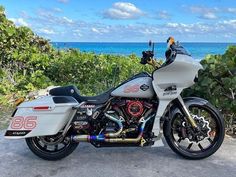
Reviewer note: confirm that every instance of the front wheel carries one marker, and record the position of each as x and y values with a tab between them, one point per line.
190	143
51	147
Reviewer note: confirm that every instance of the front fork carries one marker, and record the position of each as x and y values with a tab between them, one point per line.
186	112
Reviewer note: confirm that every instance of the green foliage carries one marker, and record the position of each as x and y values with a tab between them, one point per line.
24	57
90	72
28	63
217	83
21	49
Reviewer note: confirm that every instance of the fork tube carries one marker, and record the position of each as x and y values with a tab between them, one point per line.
186	112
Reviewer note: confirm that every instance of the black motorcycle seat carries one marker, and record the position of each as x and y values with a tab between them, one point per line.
74	92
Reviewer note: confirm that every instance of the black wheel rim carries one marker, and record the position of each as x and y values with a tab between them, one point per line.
43	145
196	148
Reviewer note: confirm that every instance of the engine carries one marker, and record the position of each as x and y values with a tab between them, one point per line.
131	109
119	118
85	116
134	108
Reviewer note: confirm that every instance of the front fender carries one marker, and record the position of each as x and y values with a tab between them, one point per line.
195	100
188	101
174	106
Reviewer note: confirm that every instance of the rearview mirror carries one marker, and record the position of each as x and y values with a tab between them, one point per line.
150	43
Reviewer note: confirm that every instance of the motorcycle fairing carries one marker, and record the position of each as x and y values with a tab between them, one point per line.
170	80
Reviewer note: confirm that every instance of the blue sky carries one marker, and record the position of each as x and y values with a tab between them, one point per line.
126	21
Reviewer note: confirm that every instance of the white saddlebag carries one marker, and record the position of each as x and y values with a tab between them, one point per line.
45	115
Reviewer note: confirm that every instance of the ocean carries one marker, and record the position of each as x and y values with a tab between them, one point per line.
197	50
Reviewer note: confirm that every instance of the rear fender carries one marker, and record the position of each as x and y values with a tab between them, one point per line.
40	117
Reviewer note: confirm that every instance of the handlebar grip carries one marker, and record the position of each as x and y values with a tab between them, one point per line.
147	56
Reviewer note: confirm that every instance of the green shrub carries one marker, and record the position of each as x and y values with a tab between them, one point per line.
217	83
90	72
29	62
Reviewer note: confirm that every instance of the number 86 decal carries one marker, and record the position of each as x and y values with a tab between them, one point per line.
27	123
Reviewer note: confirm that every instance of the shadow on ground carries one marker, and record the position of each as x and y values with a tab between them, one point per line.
86	160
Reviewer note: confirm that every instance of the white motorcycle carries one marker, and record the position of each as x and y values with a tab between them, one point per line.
132	114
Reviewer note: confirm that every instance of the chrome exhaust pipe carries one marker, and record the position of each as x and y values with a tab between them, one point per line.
88	138
119	122
104	138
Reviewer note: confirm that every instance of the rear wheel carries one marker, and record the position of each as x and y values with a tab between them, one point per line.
190	143
51	147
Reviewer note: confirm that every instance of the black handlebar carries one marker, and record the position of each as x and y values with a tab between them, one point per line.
147	56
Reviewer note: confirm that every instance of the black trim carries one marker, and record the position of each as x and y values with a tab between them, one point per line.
17	132
178	49
13	114
171	55
63	99
170	88
72	91
144	87
142	74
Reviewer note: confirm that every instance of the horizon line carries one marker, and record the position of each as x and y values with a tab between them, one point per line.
134	42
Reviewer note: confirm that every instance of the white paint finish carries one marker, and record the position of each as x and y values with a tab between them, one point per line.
180	73
49	122
149	93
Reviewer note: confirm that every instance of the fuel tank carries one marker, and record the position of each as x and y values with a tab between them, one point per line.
140	87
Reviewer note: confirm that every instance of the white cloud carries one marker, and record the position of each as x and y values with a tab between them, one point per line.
49	11
151	31
47	17
24	15
95	30
194	28
202	9
123	10
231	10
57	9
205	12
230	23
100	30
139	32
163	15
209	15
63	1
67	20
19	22
172	25
46	31
64	28
77	33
